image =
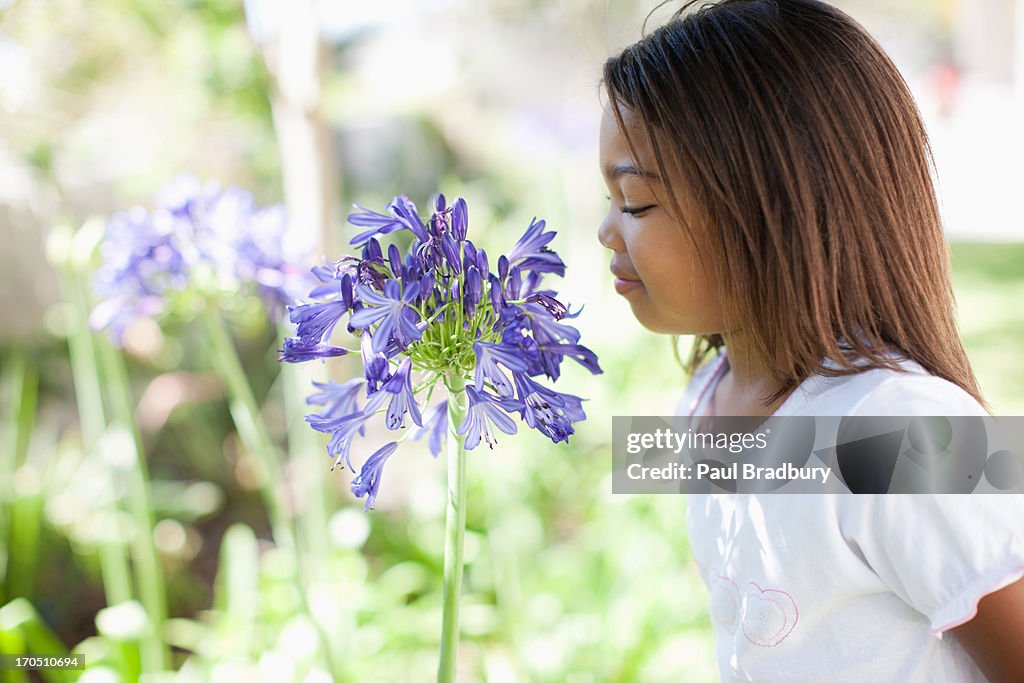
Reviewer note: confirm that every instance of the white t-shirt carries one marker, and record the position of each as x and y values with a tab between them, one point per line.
853	588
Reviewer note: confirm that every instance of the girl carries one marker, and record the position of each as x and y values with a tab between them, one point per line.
771	193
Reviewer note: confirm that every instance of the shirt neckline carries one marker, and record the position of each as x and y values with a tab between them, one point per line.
715	376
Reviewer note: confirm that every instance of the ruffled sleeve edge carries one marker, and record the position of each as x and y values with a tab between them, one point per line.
965	607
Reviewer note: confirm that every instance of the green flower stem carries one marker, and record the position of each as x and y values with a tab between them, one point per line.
114	566
245	413
148	577
455	529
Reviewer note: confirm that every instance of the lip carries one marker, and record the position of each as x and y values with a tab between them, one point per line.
624	282
623	286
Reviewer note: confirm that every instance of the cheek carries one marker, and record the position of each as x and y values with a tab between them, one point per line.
668	266
679	298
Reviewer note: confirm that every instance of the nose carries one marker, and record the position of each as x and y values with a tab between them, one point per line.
608	234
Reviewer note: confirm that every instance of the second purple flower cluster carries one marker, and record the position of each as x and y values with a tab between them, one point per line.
200	237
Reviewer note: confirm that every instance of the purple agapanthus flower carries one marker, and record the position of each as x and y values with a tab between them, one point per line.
316	321
391	310
432	311
299	350
142	262
550	412
485	410
201	237
531	251
556	308
375	364
487	358
343	428
379	224
337	398
434	424
403	402
367	483
406	212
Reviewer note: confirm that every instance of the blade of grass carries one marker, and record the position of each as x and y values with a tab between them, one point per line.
15	374
12	642
113	555
304	445
306	456
26	512
149	579
24	506
26	415
36	637
125	627
73	253
252	430
238	584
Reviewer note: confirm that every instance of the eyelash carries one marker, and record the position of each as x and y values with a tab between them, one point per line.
631	210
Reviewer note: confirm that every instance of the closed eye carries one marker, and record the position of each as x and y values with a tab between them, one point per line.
636	210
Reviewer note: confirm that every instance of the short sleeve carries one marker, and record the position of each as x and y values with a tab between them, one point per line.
917	394
940	553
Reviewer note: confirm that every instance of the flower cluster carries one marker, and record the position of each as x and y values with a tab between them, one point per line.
439	309
199	237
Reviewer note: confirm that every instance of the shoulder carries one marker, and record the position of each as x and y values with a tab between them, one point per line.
911	390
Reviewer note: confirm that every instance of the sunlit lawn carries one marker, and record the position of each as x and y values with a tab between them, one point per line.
988	280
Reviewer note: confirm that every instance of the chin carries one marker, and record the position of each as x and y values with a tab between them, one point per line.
661	325
654	323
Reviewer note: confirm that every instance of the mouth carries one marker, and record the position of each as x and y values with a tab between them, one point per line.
625	282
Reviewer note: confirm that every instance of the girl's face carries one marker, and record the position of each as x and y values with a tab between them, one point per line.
655	263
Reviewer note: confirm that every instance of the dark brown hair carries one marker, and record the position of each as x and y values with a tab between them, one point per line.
801	145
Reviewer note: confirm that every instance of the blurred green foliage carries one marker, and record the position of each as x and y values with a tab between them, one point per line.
564	581
988	281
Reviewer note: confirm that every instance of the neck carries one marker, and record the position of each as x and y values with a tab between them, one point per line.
744	367
744	386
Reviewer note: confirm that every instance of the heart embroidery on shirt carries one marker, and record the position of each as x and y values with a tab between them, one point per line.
769	615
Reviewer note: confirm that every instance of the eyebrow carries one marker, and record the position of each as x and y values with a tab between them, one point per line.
614	172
